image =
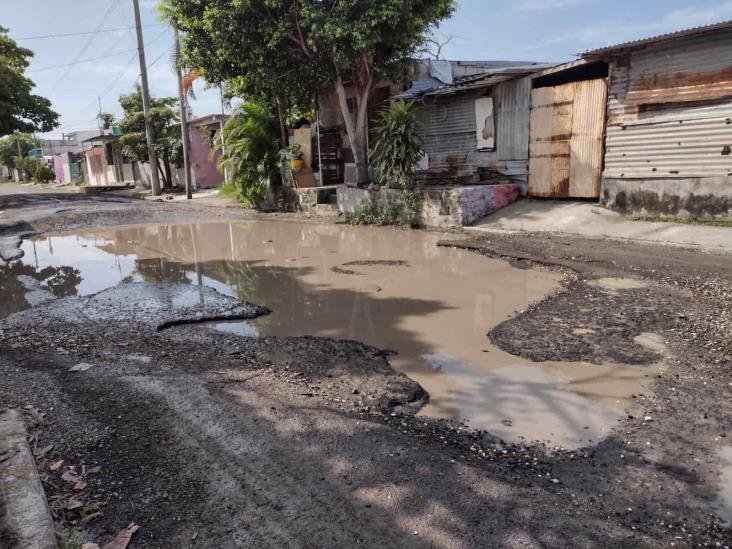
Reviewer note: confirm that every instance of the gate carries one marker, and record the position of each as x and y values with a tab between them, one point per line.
566	139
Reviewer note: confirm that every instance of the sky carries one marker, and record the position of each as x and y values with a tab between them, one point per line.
525	30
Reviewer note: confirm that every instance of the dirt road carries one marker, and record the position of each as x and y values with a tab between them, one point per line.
212	440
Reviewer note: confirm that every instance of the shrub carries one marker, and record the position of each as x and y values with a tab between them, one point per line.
44	174
398	147
404	211
27	165
251	142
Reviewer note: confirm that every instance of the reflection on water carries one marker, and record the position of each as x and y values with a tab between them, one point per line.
390	288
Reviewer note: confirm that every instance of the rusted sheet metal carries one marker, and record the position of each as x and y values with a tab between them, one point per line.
588	125
512	119
693	71
447	126
565	148
669	110
549	148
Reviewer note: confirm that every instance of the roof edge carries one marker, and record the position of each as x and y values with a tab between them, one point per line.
658	39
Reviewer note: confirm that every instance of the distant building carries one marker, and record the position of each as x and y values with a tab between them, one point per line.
204	171
106	165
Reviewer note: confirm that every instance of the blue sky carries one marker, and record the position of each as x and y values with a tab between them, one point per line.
534	30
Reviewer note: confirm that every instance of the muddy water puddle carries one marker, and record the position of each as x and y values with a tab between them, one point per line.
393	289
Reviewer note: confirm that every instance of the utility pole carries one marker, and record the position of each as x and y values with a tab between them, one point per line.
149	132
182	99
221	127
17	142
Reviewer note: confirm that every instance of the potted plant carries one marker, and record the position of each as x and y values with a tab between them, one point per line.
294	153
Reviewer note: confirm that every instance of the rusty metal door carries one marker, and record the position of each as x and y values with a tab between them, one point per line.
566	139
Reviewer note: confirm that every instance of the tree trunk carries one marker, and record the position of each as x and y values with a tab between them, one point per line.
168	178
356	130
162	174
283	122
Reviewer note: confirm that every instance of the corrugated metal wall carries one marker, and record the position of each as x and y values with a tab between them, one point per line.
512	100
447	128
670	110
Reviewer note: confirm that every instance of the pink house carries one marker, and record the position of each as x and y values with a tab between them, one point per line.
203	166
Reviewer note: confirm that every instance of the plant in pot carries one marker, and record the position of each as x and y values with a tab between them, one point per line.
294	153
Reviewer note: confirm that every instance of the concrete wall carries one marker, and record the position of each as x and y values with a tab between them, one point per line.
441	207
692	197
143	175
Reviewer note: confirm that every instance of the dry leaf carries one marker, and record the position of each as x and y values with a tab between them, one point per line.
123	538
43	451
73	504
56	466
70	476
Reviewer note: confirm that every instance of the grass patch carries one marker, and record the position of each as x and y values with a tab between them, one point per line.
232	191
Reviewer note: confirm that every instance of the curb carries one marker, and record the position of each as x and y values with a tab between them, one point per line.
26	520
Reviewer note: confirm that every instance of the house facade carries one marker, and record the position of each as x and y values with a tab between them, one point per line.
106	166
204	170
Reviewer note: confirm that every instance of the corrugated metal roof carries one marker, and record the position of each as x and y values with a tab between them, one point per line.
634	44
419	87
483	80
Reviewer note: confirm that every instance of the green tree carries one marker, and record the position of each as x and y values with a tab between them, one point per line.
262	72
166	125
324	41
9	147
27	166
19	109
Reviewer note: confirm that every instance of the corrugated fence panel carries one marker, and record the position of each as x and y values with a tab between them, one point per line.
669	110
447	128
512	118
586	146
694	148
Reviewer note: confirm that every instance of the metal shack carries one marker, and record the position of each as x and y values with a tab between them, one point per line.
669	123
474	126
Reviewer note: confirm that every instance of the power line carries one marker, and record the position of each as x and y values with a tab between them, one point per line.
83	33
81	61
121	74
112	6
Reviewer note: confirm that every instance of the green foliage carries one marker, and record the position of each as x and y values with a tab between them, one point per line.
19	108
27	165
166	125
398	147
251	143
44	174
9	147
404	211
107	120
293	151
291	48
